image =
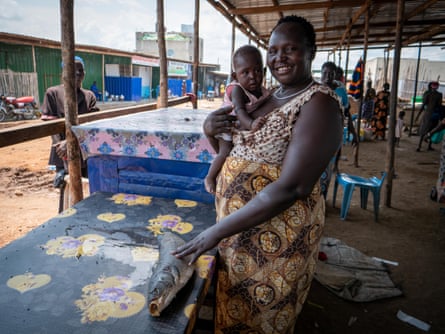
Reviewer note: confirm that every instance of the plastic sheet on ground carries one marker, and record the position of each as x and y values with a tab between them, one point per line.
352	275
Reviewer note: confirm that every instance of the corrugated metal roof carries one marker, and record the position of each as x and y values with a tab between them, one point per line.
338	21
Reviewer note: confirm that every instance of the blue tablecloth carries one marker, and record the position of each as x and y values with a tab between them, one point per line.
87	269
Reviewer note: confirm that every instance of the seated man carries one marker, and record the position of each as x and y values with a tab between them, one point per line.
96	91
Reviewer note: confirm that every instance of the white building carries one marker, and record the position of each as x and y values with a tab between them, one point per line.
179	45
428	71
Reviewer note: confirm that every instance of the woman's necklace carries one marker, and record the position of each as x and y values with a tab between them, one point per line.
279	91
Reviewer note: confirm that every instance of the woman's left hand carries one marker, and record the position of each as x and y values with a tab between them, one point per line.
202	242
219	121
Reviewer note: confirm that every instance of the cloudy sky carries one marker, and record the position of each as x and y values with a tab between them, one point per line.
113	24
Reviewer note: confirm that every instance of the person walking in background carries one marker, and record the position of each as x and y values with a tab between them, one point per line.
222	89
245	93
399	127
53	108
328	74
432	113
381	112
424	98
368	106
270	210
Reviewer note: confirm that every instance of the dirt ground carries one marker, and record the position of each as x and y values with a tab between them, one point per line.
411	232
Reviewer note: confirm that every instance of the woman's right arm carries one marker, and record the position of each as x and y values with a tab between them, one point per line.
218	121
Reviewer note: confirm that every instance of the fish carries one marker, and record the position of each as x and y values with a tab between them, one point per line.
169	275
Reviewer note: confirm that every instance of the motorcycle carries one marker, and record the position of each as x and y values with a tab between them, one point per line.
17	108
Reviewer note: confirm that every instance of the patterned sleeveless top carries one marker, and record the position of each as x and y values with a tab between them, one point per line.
269	143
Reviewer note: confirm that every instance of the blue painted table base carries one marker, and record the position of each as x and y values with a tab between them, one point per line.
146	176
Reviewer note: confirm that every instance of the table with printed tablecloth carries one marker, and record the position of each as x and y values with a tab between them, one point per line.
87	269
160	153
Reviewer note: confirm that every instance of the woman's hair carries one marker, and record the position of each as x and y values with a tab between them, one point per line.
307	27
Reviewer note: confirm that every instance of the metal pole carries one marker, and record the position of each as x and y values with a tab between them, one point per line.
359	118
163	80
415	90
196	55
347	60
393	103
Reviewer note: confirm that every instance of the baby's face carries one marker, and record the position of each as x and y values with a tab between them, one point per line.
249	71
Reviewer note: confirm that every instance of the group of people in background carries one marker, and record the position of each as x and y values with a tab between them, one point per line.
375	111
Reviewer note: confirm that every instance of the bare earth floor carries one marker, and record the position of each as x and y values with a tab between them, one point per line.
410	232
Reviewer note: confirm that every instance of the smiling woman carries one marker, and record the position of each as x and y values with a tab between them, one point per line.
268	195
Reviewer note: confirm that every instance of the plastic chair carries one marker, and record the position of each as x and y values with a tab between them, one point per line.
349	182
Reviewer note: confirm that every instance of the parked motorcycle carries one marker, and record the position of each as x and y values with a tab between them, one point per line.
17	108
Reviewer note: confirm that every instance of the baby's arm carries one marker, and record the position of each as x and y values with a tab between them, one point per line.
239	100
257	123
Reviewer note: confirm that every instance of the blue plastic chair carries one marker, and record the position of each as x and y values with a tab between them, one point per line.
349	182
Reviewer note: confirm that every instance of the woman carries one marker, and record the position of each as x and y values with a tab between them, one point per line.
381	112
268	200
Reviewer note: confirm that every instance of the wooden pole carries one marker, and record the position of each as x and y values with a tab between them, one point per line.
233	47
163	80
70	103
393	103
386	64
339	56
347	61
196	55
103	78
359	118
415	90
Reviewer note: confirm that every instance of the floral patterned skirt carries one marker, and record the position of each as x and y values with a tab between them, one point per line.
264	273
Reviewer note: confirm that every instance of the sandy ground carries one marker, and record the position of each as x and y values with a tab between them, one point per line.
410	232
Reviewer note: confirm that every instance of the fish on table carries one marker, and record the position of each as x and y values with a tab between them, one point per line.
169	276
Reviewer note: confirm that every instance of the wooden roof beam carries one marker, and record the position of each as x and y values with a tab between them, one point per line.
416	11
425	35
225	9
325	21
419	9
296	7
379	25
354	19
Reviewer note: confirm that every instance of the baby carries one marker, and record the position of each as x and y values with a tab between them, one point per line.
245	93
